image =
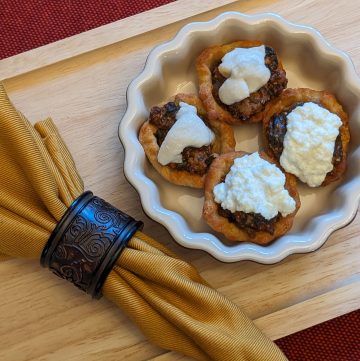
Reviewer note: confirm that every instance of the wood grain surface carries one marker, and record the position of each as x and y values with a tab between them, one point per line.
105	35
41	317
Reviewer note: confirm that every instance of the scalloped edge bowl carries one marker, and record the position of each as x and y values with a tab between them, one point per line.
309	61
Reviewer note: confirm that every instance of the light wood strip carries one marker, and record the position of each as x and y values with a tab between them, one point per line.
294	319
105	35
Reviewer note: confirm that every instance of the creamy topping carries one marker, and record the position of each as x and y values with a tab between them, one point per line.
309	143
246	72
188	131
254	185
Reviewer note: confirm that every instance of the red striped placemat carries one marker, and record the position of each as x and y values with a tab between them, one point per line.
29	24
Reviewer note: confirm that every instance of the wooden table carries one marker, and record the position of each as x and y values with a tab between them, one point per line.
81	83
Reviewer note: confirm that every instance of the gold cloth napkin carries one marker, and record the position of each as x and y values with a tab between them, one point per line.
165	296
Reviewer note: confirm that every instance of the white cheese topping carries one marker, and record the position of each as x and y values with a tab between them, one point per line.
309	143
188	131
246	72
254	185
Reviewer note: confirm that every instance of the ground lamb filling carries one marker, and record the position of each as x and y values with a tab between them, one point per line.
277	129
256	102
249	222
194	160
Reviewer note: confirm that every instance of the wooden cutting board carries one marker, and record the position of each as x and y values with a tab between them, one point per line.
81	83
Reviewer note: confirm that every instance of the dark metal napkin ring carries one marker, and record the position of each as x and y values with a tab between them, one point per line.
87	241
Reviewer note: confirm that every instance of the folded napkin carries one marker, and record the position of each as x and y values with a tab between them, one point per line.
164	295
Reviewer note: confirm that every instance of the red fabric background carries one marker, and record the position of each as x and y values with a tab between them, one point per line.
334	340
27	24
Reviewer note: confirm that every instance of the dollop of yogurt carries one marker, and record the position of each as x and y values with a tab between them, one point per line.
309	143
254	185
245	71
189	130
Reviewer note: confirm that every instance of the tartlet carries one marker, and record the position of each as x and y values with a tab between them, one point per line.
216	219
191	173
274	125
250	109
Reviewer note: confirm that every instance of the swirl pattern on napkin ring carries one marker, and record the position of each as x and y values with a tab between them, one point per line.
87	241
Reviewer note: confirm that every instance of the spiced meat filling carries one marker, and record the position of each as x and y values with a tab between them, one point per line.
250	222
277	129
194	160
256	102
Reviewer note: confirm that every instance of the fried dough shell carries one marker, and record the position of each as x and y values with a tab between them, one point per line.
322	98
224	142
205	63
218	169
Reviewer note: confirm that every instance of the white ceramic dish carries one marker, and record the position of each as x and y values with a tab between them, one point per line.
310	61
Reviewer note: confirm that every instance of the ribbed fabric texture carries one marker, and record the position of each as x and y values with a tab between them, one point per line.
163	294
177	309
38	182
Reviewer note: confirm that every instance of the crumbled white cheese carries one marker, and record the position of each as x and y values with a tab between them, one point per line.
309	143
254	185
188	131
246	72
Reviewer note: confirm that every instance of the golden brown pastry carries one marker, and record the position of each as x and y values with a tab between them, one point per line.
195	161
210	79
275	125
241	226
